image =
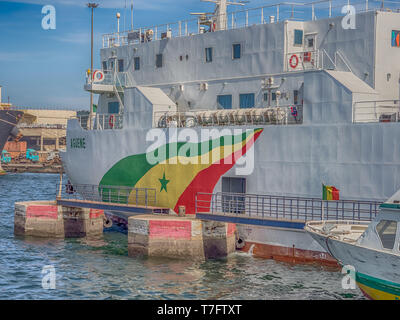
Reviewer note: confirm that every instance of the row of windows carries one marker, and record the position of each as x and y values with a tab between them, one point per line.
209	53
247	100
236	54
120	65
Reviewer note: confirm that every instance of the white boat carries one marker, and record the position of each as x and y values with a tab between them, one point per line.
371	251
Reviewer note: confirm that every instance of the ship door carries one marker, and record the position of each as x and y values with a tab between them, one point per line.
310	55
231	199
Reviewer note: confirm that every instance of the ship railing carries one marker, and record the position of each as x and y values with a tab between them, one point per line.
284	207
41	125
286	115
316	60
111	194
244	18
107	121
376	111
117	79
304	60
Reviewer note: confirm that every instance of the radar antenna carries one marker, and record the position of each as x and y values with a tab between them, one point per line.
220	13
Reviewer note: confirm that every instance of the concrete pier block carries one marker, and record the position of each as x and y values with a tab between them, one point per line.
48	220
218	238
177	237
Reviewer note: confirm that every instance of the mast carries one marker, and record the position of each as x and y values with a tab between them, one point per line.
131	14
220	12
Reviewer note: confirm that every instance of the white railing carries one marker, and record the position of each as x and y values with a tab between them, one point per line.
112	121
230	117
304	60
254	16
376	111
118	79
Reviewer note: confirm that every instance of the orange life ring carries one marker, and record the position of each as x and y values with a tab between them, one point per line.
98	76
294	65
111	121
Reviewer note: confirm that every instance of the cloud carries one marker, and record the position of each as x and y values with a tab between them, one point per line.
14	56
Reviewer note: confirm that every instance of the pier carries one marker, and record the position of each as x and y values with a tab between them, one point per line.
32	168
85	210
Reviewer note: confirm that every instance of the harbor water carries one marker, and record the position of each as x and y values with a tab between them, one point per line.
101	269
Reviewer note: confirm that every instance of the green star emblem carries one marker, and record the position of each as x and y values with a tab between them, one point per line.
164	183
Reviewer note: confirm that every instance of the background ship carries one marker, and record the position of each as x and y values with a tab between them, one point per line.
8	122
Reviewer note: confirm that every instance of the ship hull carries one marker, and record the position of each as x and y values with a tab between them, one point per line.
8	120
286	245
361	160
376	272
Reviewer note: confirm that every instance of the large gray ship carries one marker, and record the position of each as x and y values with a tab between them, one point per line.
305	93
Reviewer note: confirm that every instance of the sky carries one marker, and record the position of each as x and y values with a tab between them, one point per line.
46	68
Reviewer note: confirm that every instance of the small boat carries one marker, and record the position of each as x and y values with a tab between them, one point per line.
371	250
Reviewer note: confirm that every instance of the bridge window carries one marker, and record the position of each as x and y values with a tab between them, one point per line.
298	37
225	101
120	65
209	54
295	96
246	100
136	63
387	230
113	107
159	60
237	51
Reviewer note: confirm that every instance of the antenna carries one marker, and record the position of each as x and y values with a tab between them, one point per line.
125	16
220	13
131	14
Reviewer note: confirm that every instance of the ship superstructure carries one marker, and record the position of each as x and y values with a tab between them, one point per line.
320	96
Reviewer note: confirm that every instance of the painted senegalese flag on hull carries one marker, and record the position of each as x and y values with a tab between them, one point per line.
330	193
183	169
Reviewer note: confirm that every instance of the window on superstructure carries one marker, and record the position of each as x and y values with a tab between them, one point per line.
113	107
224	101
236	50
120	65
104	65
246	100
209	54
298	37
295	96
387	230
266	96
159	60
273	96
136	63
